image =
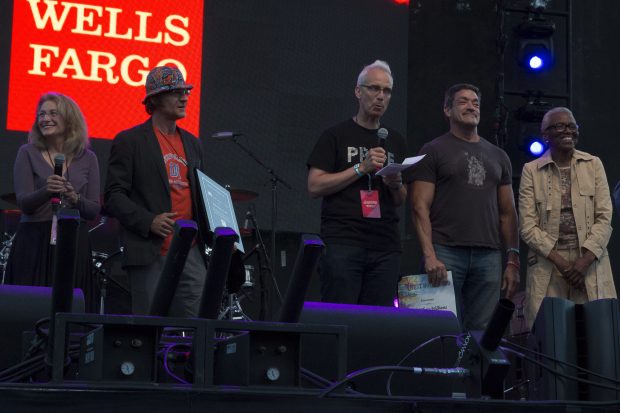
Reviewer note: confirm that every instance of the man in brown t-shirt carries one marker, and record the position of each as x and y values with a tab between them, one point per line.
464	212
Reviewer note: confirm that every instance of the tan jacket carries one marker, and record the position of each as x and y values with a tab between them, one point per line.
539	210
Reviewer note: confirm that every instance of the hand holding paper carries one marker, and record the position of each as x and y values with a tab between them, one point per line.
394	168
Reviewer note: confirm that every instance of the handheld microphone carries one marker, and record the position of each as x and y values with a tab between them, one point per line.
225	135
382	135
59	161
248	215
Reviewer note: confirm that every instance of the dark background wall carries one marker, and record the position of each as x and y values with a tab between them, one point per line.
595	68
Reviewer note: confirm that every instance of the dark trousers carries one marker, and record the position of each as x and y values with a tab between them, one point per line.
355	275
186	302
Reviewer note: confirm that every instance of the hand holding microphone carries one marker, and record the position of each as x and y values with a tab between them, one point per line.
56	185
56	182
377	156
374	160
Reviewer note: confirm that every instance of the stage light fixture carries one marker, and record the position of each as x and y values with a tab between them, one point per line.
536	147
530	116
536	62
534	109
535	50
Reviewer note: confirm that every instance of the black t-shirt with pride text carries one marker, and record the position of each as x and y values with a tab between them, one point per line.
339	148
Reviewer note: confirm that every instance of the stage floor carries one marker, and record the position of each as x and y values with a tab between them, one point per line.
45	398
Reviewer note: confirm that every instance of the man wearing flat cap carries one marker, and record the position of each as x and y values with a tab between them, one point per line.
149	186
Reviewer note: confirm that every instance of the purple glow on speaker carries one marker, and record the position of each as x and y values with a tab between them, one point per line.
369	309
31	290
187	223
224	232
312	240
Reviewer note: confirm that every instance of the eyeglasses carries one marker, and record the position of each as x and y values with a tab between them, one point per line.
52	114
375	90
180	92
561	127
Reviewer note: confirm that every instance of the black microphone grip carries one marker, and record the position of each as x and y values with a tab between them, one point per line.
248	216
59	161
382	135
58	169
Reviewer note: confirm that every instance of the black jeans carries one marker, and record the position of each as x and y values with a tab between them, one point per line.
355	275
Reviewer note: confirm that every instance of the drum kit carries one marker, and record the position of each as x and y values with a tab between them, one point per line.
240	280
7	238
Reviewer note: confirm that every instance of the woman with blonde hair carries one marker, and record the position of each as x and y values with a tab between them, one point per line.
58	129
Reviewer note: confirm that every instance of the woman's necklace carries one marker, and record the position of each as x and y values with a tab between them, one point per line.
49	156
65	171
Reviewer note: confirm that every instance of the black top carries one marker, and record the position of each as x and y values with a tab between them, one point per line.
339	148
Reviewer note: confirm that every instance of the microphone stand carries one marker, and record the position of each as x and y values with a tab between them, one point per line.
102	221
261	254
274	179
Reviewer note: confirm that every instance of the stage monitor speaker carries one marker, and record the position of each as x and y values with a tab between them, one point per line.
487	363
184	233
120	353
217	270
602	331
380	336
130	350
554	334
310	249
20	308
258	358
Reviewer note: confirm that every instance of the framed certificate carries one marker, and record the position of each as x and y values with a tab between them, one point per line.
218	206
414	291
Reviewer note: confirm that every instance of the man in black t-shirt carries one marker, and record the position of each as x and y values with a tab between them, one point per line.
463	211
359	221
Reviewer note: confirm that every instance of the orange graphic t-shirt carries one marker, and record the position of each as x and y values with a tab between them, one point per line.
176	168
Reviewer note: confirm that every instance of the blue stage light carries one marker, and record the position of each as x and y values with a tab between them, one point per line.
535	52
536	147
536	62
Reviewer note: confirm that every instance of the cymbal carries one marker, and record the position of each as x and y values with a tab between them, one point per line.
242	195
9	197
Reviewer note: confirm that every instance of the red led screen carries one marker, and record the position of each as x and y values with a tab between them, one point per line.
99	53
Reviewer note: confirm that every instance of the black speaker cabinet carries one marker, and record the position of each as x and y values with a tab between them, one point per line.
20	308
602	331
129	350
379	336
258	358
268	354
553	334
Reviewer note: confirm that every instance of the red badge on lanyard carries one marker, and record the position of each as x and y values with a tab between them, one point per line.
370	203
